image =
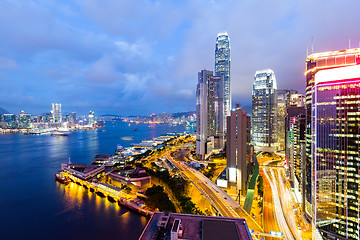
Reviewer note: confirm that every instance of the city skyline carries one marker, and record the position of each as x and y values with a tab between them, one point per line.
86	56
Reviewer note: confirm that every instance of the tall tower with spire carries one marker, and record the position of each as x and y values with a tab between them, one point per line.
222	67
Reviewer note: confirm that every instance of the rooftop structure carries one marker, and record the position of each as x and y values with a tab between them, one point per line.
82	171
134	177
196	227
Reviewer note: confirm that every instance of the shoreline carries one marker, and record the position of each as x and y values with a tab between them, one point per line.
118	196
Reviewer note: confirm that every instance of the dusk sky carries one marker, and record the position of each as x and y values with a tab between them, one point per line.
142	57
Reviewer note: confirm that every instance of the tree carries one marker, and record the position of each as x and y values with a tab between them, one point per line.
260	185
157	198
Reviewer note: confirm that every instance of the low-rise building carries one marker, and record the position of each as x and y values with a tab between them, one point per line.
137	179
176	226
82	171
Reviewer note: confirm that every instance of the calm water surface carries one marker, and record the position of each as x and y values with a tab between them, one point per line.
34	206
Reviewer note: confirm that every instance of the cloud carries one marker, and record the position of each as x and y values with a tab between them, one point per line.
137	57
7	63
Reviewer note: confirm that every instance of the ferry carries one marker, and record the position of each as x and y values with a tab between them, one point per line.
61	178
60	133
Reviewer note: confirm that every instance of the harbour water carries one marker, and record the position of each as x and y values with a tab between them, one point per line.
34	206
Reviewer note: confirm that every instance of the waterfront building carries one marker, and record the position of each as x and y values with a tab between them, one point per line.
24	120
238	149
314	63
335	151
73	115
137	179
264	111
91	118
222	67
9	120
83	171
176	226
56	113
209	113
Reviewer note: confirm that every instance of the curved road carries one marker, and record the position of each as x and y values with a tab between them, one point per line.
213	194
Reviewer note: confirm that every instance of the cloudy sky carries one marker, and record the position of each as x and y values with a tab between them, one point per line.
142	57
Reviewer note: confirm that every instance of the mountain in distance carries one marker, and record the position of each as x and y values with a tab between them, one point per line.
3	111
186	114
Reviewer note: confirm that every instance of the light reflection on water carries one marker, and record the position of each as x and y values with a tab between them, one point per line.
35	206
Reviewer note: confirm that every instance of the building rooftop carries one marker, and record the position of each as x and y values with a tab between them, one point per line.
187	226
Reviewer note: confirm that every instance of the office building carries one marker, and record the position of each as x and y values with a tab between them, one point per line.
283	102
314	63
238	149
335	152
222	67
9	120
174	226
56	113
24	120
295	139
264	111
91	118
209	113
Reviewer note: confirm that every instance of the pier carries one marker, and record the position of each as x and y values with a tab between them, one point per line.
112	193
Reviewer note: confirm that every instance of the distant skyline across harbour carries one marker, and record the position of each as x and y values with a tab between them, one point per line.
86	55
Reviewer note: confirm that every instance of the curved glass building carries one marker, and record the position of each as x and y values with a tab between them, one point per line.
222	67
264	111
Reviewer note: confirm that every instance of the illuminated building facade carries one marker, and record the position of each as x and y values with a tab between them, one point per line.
314	63
24	120
283	102
238	149
91	118
335	151
264	111
56	113
10	120
295	140
222	67
210	113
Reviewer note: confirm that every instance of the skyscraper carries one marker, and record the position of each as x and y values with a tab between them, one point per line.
222	67
314	63
264	111
24	120
238	149
209	113
283	102
91	118
335	148
56	112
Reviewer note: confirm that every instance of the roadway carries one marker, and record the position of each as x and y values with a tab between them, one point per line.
282	202
280	216
223	203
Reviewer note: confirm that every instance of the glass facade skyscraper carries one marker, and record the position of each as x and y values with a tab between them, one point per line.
56	113
335	147
314	63
209	113
264	111
222	67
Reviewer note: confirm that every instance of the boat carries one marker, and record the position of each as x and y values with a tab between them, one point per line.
134	129
100	194
111	199
60	133
61	178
